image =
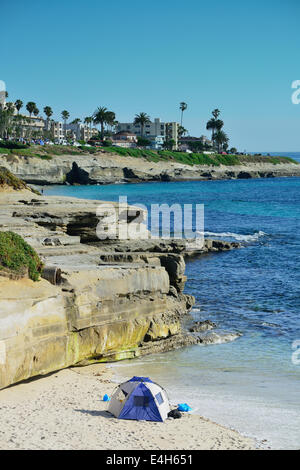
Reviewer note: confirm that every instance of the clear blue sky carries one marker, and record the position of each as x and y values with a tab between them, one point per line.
133	56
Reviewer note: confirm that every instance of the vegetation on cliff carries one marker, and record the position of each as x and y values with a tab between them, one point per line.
196	158
18	257
7	179
47	152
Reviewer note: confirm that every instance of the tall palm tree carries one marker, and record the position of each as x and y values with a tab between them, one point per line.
141	119
101	116
182	107
36	112
18	105
65	115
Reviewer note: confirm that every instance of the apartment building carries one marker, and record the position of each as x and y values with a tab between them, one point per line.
152	130
81	131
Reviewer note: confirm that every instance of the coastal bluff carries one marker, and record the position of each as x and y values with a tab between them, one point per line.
105	168
112	300
107	306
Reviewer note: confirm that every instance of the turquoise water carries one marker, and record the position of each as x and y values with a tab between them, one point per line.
251	383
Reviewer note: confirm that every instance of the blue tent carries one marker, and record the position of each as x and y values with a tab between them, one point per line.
140	399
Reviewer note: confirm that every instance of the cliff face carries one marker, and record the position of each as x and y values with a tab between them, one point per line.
109	306
104	168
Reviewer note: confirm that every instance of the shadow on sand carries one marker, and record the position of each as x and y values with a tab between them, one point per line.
103	413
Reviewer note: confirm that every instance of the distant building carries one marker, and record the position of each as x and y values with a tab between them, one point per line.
125	139
186	143
152	130
30	126
81	131
125	135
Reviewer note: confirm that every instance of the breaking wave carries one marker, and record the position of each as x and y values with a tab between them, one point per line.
237	236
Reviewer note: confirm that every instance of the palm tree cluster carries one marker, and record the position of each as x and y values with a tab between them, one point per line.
103	117
219	138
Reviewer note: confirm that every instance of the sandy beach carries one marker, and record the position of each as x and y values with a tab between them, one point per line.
65	410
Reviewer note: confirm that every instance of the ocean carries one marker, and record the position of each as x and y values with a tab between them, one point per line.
250	383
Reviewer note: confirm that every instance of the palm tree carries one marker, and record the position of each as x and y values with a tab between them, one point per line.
181	131
216	112
30	106
48	112
101	116
221	138
36	112
219	124
211	126
111	119
7	115
18	105
182	107
141	119
65	115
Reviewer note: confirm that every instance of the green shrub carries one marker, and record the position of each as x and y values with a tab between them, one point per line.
12	145
16	254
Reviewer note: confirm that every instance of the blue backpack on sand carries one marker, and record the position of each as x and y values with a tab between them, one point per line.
184	407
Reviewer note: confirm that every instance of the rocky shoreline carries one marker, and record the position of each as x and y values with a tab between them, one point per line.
116	299
103	168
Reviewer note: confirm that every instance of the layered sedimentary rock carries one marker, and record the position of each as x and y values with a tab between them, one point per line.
103	168
107	307
117	298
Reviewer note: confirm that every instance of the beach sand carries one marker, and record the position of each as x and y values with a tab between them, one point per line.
65	410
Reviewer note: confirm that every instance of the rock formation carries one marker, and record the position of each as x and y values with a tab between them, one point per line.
103	168
112	299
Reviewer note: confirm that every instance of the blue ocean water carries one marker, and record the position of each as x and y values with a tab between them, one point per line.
250	384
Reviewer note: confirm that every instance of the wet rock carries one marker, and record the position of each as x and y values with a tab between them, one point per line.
202	326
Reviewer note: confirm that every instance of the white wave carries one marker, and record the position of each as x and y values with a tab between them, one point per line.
247	238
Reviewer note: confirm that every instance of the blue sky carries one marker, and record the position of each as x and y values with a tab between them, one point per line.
133	56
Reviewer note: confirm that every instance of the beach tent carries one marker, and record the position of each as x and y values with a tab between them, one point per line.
139	399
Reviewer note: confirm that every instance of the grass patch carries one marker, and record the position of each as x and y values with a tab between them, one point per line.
17	256
195	158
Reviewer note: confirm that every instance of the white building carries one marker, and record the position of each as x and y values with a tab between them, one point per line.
81	131
152	130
